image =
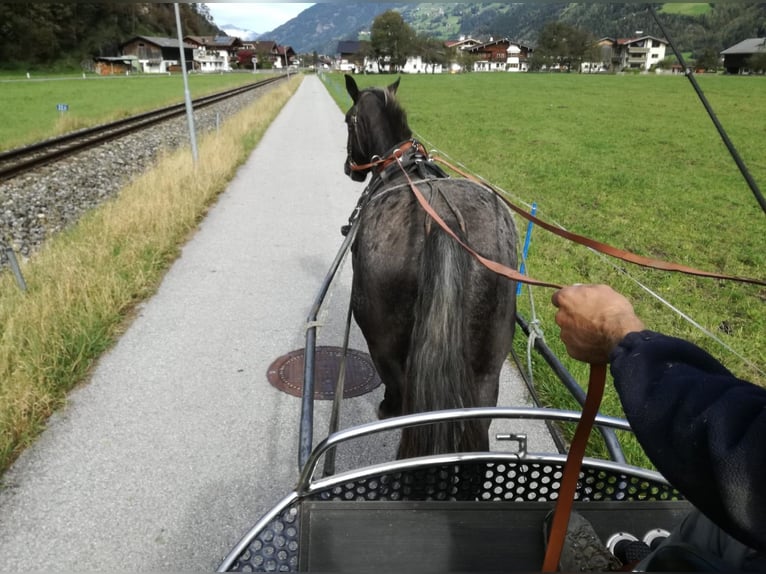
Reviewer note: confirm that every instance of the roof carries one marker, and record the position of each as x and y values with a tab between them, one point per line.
349	46
114	58
264	46
159	41
213	41
466	41
624	41
749	46
480	47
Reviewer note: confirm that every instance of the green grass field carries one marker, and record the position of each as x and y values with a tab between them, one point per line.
632	161
29	113
685	8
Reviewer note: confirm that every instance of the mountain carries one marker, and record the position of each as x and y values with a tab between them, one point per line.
241	33
692	26
321	26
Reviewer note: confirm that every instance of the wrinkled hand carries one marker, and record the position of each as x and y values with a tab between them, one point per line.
593	319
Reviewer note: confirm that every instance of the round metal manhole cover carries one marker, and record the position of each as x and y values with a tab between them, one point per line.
286	373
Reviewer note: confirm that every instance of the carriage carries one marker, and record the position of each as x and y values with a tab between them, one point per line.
447	502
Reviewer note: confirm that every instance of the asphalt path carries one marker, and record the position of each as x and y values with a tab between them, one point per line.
178	443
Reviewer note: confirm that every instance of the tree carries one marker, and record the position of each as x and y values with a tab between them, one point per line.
757	62
391	40
432	51
245	59
466	60
708	60
564	46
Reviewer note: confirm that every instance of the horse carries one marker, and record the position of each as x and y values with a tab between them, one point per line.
438	324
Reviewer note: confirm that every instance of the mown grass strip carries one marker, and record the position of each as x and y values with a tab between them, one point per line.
84	283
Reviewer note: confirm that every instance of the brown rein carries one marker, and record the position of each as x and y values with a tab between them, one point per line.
603	247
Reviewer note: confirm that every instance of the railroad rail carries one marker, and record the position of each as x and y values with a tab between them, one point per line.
19	160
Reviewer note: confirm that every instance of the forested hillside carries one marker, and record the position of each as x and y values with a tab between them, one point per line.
40	35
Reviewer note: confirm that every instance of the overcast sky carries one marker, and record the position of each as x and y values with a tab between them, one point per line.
256	16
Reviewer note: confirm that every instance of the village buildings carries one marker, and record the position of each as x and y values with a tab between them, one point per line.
205	54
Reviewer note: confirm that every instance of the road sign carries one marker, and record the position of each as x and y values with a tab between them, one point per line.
62	107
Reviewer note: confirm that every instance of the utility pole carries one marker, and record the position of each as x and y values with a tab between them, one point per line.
187	95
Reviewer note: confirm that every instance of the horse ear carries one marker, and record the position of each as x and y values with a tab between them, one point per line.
352	88
395	86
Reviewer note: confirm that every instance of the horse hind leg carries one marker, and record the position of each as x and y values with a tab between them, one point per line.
392	375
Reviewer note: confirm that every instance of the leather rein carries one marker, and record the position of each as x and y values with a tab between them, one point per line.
597	376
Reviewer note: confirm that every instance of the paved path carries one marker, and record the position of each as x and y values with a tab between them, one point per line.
178	444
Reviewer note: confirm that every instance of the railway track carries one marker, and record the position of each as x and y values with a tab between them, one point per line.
19	160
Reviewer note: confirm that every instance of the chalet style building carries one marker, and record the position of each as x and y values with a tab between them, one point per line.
735	59
642	53
214	53
158	55
499	56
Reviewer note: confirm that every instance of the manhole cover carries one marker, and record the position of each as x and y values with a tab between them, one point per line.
286	373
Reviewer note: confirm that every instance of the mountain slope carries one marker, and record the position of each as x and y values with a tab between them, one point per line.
692	26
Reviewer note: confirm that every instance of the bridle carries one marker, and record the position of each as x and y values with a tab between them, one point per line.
375	161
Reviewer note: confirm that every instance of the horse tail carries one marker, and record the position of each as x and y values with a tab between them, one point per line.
438	371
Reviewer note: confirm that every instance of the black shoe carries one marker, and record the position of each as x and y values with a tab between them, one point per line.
583	550
655	537
627	548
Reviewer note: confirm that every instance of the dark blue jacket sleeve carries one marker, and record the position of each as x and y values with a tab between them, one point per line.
703	428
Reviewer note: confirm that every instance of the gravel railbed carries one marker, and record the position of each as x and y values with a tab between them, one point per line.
42	202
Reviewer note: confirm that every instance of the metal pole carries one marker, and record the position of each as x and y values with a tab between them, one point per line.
709	109
187	95
15	268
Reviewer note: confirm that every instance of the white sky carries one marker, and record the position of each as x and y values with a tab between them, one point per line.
255	16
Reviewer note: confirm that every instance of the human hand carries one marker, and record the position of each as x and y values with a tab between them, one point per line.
593	319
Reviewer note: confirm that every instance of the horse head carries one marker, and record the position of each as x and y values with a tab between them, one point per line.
376	123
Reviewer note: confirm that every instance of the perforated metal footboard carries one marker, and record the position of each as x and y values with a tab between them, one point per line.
343	523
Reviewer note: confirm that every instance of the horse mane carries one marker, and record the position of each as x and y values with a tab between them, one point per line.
394	112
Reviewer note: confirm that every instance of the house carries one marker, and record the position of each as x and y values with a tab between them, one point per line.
735	59
158	55
265	52
350	56
416	65
214	53
285	57
500	56
642	53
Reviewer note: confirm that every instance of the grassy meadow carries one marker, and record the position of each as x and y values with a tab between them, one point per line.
28	112
84	283
632	161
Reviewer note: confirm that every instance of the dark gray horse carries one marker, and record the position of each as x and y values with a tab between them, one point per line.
437	323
